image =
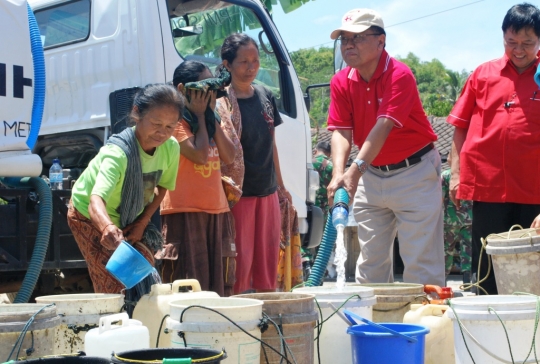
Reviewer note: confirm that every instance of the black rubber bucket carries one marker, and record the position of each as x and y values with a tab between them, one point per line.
65	360
169	356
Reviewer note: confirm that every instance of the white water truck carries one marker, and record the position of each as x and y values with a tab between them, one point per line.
97	53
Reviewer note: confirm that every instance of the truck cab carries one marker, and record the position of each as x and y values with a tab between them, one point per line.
97	52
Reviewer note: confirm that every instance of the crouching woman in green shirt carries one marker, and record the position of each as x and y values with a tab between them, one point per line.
122	187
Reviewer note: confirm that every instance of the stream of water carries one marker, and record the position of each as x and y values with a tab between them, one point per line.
340	258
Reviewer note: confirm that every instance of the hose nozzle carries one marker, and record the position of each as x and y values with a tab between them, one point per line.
340	210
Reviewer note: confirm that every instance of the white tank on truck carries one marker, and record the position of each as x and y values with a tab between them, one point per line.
17	93
22	93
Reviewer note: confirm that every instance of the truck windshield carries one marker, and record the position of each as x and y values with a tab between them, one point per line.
199	28
64	24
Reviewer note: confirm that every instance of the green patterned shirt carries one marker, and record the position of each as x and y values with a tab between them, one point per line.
453	216
324	166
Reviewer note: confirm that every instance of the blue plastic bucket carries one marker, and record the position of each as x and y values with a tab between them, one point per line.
128	265
370	344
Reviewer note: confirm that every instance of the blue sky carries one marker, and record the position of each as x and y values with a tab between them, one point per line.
460	33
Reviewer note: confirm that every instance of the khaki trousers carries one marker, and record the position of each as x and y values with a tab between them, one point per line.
406	202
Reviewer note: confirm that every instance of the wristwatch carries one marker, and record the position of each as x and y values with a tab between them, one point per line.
362	165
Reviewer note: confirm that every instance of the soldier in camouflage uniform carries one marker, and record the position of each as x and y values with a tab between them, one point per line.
457	228
323	165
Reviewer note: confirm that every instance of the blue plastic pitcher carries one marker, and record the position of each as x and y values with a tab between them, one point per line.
128	266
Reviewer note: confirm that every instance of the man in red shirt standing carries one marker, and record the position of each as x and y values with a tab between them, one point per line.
395	178
496	146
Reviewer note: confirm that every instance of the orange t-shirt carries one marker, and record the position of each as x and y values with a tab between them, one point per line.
198	187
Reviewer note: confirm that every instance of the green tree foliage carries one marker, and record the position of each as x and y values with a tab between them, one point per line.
439	87
315	66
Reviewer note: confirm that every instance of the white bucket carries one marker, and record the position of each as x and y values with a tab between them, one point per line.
394	299
485	335
203	328
79	313
152	307
39	335
439	347
334	342
108	338
516	261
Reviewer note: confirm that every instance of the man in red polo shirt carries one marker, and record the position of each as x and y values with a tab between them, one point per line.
395	178
496	146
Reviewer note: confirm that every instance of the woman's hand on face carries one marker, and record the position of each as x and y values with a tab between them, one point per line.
198	101
212	99
111	237
135	231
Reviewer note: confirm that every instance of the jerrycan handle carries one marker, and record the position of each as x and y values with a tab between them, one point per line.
195	285
432	310
442	293
106	321
430	288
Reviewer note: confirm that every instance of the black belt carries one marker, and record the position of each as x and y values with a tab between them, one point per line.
412	160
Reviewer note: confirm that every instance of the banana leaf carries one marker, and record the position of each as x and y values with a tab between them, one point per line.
291	5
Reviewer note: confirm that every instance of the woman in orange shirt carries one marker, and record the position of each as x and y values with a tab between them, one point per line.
196	220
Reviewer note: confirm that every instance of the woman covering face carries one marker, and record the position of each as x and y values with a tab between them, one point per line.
197	223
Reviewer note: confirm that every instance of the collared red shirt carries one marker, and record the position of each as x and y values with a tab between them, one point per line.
500	159
391	93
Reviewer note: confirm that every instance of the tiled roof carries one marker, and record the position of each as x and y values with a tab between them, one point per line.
326	136
444	131
445	134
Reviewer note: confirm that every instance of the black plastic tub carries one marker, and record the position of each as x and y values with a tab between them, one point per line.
65	360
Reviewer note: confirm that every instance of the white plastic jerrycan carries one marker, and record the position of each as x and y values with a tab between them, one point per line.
440	340
154	306
103	340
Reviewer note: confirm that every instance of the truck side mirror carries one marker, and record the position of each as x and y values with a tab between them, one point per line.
307	98
339	63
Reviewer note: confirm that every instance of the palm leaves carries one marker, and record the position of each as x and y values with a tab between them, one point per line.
454	84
